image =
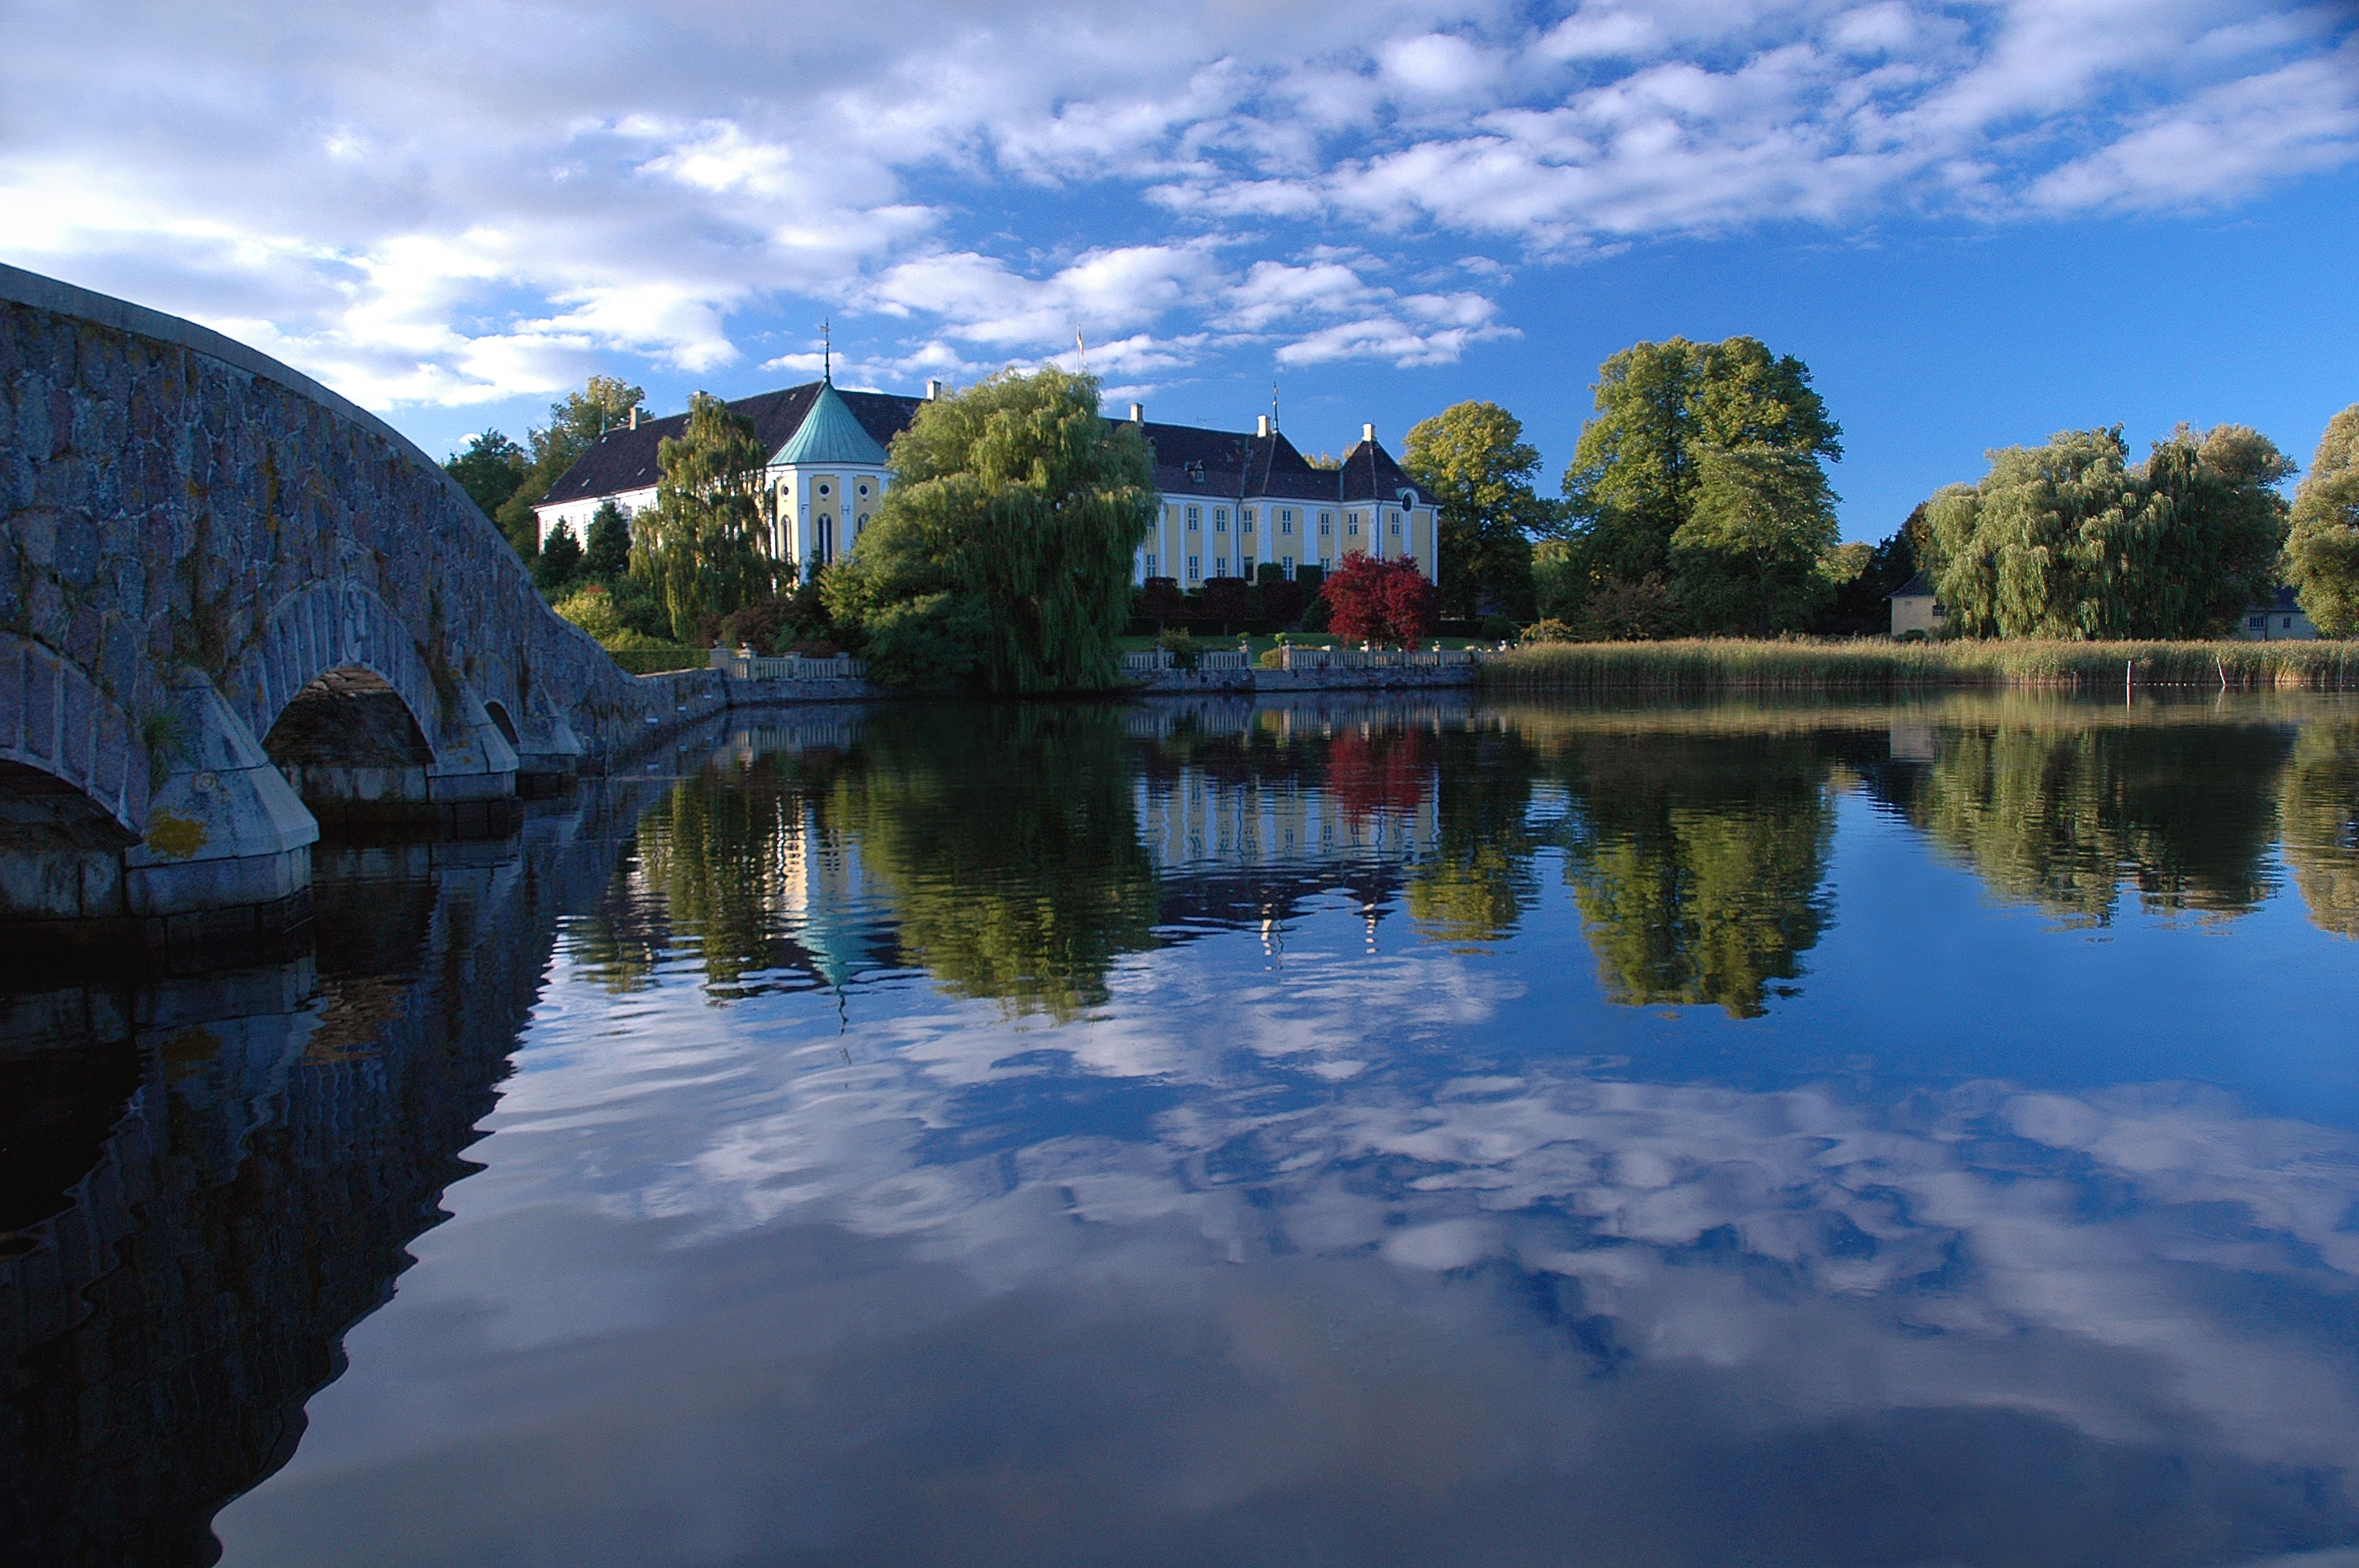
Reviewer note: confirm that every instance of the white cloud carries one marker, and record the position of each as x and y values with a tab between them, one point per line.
430	205
2224	144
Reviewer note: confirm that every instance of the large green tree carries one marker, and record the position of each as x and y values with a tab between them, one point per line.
1000	558
1474	457
1750	556
2321	555
489	470
1662	409
2070	541
603	403
703	546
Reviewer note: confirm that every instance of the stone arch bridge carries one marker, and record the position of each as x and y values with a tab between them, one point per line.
233	604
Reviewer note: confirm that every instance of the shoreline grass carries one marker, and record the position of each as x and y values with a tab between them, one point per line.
1873	664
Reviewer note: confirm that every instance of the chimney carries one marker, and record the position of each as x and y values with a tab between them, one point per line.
1261	425
933	392
635	415
1368	434
1138	413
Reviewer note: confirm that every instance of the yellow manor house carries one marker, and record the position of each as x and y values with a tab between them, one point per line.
1233	501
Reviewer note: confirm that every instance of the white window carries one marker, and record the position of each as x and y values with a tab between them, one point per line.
1220	519
1351	525
1195	518
1288	563
1195	567
1286	521
1326	563
1394	518
1150	566
1326	523
1245	521
1249	567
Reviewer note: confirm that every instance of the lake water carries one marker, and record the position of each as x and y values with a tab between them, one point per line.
1368	1132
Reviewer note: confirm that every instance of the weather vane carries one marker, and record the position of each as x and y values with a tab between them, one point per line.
827	351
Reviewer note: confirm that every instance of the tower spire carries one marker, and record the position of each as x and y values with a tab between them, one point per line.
827	352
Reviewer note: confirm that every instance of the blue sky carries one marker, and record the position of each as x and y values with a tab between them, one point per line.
1978	223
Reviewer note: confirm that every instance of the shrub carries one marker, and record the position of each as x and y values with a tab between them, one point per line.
1185	651
1161	599
1315	615
1623	610
1548	631
1390	603
1281	601
592	609
757	625
1497	628
1228	600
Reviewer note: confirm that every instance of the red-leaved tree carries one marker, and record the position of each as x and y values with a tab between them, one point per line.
1386	602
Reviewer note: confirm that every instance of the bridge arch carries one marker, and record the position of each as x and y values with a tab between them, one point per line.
331	662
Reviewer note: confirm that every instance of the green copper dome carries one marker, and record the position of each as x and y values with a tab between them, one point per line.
830	435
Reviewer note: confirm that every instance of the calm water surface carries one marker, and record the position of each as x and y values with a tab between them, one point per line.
1362	1133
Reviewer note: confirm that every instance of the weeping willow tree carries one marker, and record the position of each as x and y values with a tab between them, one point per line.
2321	556
1001	558
2070	541
703	546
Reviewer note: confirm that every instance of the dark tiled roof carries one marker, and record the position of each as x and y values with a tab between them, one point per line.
1222	465
1370	474
625	459
1918	586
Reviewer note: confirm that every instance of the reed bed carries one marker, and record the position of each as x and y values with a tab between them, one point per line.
1701	664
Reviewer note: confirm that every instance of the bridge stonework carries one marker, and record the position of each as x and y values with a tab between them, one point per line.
190	536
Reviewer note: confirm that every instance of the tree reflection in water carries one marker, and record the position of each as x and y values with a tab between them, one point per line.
996	848
1699	863
1004	850
2065	809
2319	804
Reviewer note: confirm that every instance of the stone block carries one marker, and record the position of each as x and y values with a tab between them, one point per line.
12	695
77	718
41	699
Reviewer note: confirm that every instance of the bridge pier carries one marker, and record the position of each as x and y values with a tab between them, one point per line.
226	869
